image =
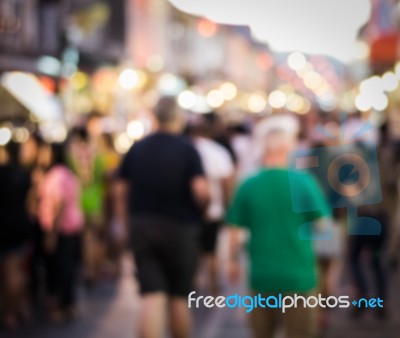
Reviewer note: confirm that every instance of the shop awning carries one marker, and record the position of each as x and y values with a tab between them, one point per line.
30	93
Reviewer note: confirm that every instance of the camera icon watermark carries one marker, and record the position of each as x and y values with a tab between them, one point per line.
349	176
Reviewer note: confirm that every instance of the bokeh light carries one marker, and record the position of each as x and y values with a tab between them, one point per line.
296	61
135	130
215	98
122	143
389	81
5	135
362	103
257	103
155	63
206	28
187	99
128	79
20	135
170	84
229	90
277	99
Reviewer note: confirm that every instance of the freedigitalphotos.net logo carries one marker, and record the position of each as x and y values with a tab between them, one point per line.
280	301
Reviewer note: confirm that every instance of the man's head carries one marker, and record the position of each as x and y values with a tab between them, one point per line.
278	144
277	136
170	117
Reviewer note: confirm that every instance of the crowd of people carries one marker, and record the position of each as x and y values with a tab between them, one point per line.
56	215
69	211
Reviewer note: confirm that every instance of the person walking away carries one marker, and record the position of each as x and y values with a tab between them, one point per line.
280	260
219	170
167	193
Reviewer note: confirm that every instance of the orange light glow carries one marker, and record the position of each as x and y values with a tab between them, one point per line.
206	28
48	83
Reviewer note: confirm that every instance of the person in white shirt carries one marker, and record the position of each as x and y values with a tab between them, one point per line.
219	170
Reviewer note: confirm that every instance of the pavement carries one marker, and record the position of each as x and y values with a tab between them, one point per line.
111	309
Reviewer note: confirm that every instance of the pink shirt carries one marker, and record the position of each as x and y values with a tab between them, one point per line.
60	187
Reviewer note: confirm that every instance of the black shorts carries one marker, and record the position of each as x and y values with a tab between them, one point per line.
166	255
209	236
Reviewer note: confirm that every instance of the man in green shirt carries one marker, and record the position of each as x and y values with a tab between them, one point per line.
282	258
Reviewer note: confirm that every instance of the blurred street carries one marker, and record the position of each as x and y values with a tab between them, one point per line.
168	159
111	310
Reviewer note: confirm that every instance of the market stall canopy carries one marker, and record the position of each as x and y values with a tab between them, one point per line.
11	108
30	93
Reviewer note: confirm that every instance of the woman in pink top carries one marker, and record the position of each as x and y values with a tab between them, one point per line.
62	222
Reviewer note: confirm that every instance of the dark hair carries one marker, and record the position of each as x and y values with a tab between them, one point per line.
94	115
81	133
211	118
37	138
108	140
12	149
58	154
239	128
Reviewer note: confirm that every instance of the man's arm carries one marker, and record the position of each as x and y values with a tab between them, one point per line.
237	218
228	185
120	193
201	191
235	246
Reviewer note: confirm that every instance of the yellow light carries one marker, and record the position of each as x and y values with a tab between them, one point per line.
257	103
21	135
306	107
312	80
142	78
79	81
285	88
5	135
135	130
215	98
122	143
187	99
229	90
295	103
277	99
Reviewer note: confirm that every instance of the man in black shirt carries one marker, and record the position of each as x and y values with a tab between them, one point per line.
167	192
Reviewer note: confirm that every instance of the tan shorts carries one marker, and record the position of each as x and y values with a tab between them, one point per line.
296	322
